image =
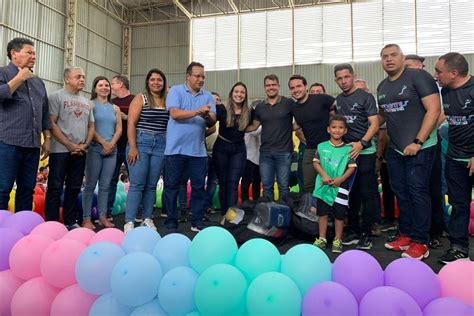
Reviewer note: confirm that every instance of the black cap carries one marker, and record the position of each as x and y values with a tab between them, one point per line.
416	57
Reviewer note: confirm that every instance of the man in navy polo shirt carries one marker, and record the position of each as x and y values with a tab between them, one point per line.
191	109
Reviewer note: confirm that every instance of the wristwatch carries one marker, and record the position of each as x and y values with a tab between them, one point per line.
365	144
417	141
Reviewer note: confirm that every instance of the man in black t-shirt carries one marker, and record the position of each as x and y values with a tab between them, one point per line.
311	112
274	114
360	110
458	103
409	103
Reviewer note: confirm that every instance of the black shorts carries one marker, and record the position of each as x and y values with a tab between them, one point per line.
338	210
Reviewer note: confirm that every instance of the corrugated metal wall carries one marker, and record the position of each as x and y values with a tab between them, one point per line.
162	46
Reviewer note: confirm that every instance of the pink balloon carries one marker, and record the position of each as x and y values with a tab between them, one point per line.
114	235
472	210
58	263
456	280
51	229
9	283
471	227
126	186
25	256
81	234
34	297
72	301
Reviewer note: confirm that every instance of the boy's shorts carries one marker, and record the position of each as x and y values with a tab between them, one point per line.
337	209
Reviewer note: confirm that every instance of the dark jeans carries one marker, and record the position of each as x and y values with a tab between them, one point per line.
230	163
251	175
211	182
121	159
437	208
275	163
64	167
20	164
410	179
363	193
388	196
459	191
175	166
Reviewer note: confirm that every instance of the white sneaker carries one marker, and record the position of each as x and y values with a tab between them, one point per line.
148	222
128	227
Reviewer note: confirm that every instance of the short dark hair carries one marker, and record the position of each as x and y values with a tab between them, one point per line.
189	69
338	118
343	66
391	45
271	77
17	44
216	94
94	84
123	79
298	77
317	84
456	61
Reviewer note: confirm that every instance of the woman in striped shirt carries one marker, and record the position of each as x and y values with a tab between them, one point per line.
147	122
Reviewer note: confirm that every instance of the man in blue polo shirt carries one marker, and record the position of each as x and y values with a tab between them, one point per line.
191	109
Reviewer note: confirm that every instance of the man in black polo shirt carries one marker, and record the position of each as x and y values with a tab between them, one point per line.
311	112
409	103
360	110
458	103
274	114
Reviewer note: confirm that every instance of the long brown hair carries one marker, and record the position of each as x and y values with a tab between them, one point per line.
94	84
244	119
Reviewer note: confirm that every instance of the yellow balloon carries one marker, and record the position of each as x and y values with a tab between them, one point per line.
276	193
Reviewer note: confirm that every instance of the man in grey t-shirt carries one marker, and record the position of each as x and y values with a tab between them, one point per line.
73	129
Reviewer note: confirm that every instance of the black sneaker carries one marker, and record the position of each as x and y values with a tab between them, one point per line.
182	219
350	238
385	227
364	242
435	243
452	255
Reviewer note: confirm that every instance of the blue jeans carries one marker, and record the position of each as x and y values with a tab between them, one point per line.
121	159
98	168
459	191
70	168
20	164
175	168
410	180
275	163
144	174
230	161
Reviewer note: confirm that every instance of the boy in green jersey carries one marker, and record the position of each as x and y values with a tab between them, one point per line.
334	166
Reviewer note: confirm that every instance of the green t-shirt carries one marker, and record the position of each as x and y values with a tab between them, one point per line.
334	160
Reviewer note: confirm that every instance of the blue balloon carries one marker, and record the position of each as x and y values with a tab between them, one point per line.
273	293
307	265
136	279
94	267
221	290
172	251
176	293
107	305
149	309
211	246
141	239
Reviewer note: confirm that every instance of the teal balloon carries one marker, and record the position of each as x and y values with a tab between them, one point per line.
193	313
120	187
123	197
108	305
116	209
211	246
221	290
123	207
176	292
141	239
257	256
172	251
159	198
273	293
150	308
215	199
307	265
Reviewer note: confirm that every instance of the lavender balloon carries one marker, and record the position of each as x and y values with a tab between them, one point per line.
24	221
414	278
448	306
3	217
9	237
330	299
388	301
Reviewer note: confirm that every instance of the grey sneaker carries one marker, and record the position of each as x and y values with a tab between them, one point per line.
364	242
148	222
350	238
321	243
385	227
128	227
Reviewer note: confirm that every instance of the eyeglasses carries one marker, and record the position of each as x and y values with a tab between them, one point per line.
198	76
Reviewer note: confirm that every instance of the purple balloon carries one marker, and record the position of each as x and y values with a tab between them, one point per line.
414	278
331	299
3	217
448	306
24	221
388	301
358	271
9	237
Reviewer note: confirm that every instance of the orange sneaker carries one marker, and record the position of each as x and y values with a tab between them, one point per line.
416	251
400	244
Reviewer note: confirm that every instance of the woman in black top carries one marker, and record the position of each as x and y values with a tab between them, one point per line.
229	151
